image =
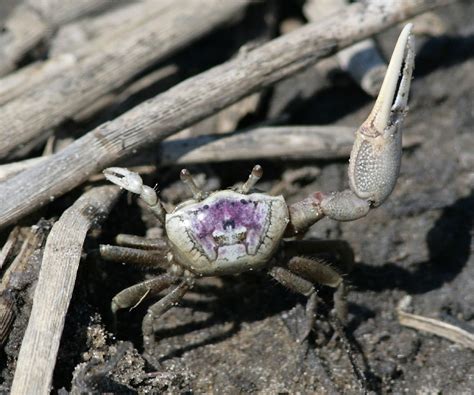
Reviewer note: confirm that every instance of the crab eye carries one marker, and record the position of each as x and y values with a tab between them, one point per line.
205	207
243	201
229	223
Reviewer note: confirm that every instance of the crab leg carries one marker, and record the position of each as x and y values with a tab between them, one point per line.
375	159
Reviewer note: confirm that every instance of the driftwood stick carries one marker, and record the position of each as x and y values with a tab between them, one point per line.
165	76
31	115
8	169
7	248
280	142
434	326
73	36
35	20
53	293
14	84
106	30
362	60
196	98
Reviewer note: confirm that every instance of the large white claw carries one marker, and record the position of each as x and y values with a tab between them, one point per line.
376	155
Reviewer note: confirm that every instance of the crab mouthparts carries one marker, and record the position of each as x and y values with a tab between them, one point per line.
230	236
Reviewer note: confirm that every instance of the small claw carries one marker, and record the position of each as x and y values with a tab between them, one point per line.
132	182
376	155
125	179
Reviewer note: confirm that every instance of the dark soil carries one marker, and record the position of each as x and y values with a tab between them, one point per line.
238	334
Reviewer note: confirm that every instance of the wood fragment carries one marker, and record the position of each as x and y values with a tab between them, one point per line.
31	115
165	76
195	99
9	169
280	142
21	273
106	32
9	245
362	61
53	292
75	35
431	325
35	20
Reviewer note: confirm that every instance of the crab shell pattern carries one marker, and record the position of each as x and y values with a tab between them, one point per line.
228	232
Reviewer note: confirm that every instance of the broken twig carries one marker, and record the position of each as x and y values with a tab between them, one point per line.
53	292
33	21
130	17
431	325
280	142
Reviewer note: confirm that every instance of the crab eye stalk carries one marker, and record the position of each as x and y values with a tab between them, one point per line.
254	177
188	180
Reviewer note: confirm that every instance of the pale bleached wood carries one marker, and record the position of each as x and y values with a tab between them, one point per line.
289	142
35	20
73	36
433	326
195	99
362	60
102	30
280	142
37	357
165	75
9	169
33	114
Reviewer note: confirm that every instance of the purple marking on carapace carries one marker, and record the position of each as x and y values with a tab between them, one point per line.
225	222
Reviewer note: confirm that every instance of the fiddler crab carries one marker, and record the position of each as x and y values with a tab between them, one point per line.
231	231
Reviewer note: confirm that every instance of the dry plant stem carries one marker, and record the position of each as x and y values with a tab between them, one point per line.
431	325
53	293
9	169
14	84
13	280
288	142
29	116
114	99
129	18
73	36
7	248
195	99
35	20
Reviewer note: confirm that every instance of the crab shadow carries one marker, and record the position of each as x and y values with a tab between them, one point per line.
246	298
449	245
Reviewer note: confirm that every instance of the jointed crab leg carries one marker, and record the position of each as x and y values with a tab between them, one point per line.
157	310
143	243
143	258
376	155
